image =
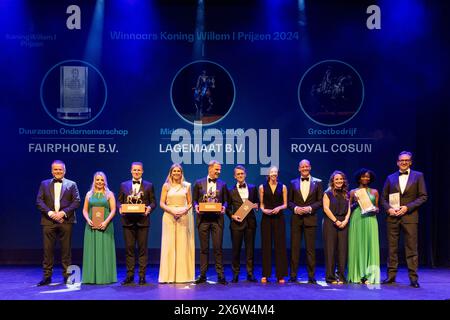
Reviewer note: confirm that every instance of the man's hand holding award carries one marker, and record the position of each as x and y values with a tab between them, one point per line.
364	202
243	210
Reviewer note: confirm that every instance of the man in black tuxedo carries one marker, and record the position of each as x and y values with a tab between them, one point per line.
57	200
136	226
242	229
211	222
404	217
304	198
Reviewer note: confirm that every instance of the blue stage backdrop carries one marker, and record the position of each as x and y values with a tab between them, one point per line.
99	84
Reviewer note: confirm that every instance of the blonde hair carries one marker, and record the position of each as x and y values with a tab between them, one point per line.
106	192
169	180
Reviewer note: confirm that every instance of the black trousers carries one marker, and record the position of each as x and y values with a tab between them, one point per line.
62	232
410	238
298	228
215	229
335	242
132	235
237	237
273	231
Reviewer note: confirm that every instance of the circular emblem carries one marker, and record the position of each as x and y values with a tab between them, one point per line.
202	91
73	92
331	93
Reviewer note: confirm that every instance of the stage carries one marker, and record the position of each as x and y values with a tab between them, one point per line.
19	283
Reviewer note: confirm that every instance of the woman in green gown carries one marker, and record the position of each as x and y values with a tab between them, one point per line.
99	252
363	245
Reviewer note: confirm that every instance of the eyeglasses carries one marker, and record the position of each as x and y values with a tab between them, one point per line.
404	161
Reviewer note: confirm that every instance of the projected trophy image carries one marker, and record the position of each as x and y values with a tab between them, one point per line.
202	91
74	93
331	93
204	94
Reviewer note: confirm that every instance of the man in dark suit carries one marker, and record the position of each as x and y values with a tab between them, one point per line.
211	222
409	186
135	225
242	229
304	198
57	200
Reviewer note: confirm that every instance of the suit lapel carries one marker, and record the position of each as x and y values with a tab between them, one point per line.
129	187
397	182
410	181
250	193
51	186
312	185
238	195
204	185
219	185
63	188
298	186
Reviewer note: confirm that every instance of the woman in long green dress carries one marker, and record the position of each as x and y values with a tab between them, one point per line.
363	244
99	252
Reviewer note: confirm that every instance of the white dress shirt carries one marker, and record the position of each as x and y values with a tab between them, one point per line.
304	187
403	180
243	192
57	187
211	186
136	186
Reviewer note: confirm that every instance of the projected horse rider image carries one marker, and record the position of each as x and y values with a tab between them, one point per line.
202	92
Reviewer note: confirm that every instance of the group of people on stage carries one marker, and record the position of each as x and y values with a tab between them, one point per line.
349	234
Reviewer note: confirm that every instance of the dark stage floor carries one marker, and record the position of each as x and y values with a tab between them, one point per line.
19	283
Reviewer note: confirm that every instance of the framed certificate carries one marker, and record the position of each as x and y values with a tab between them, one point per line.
364	201
98	216
394	200
244	209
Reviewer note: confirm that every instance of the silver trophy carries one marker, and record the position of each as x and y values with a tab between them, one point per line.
74	93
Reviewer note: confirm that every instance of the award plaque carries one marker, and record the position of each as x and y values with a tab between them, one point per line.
394	200
134	203
364	201
73	93
210	206
243	211
210	202
98	216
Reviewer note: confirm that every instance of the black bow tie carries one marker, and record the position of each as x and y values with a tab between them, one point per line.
57	180
305	179
137	182
400	173
212	180
243	185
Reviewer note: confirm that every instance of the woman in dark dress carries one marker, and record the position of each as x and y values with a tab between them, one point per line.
335	227
273	197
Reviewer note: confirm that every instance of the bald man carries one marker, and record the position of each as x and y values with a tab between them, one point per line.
304	198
